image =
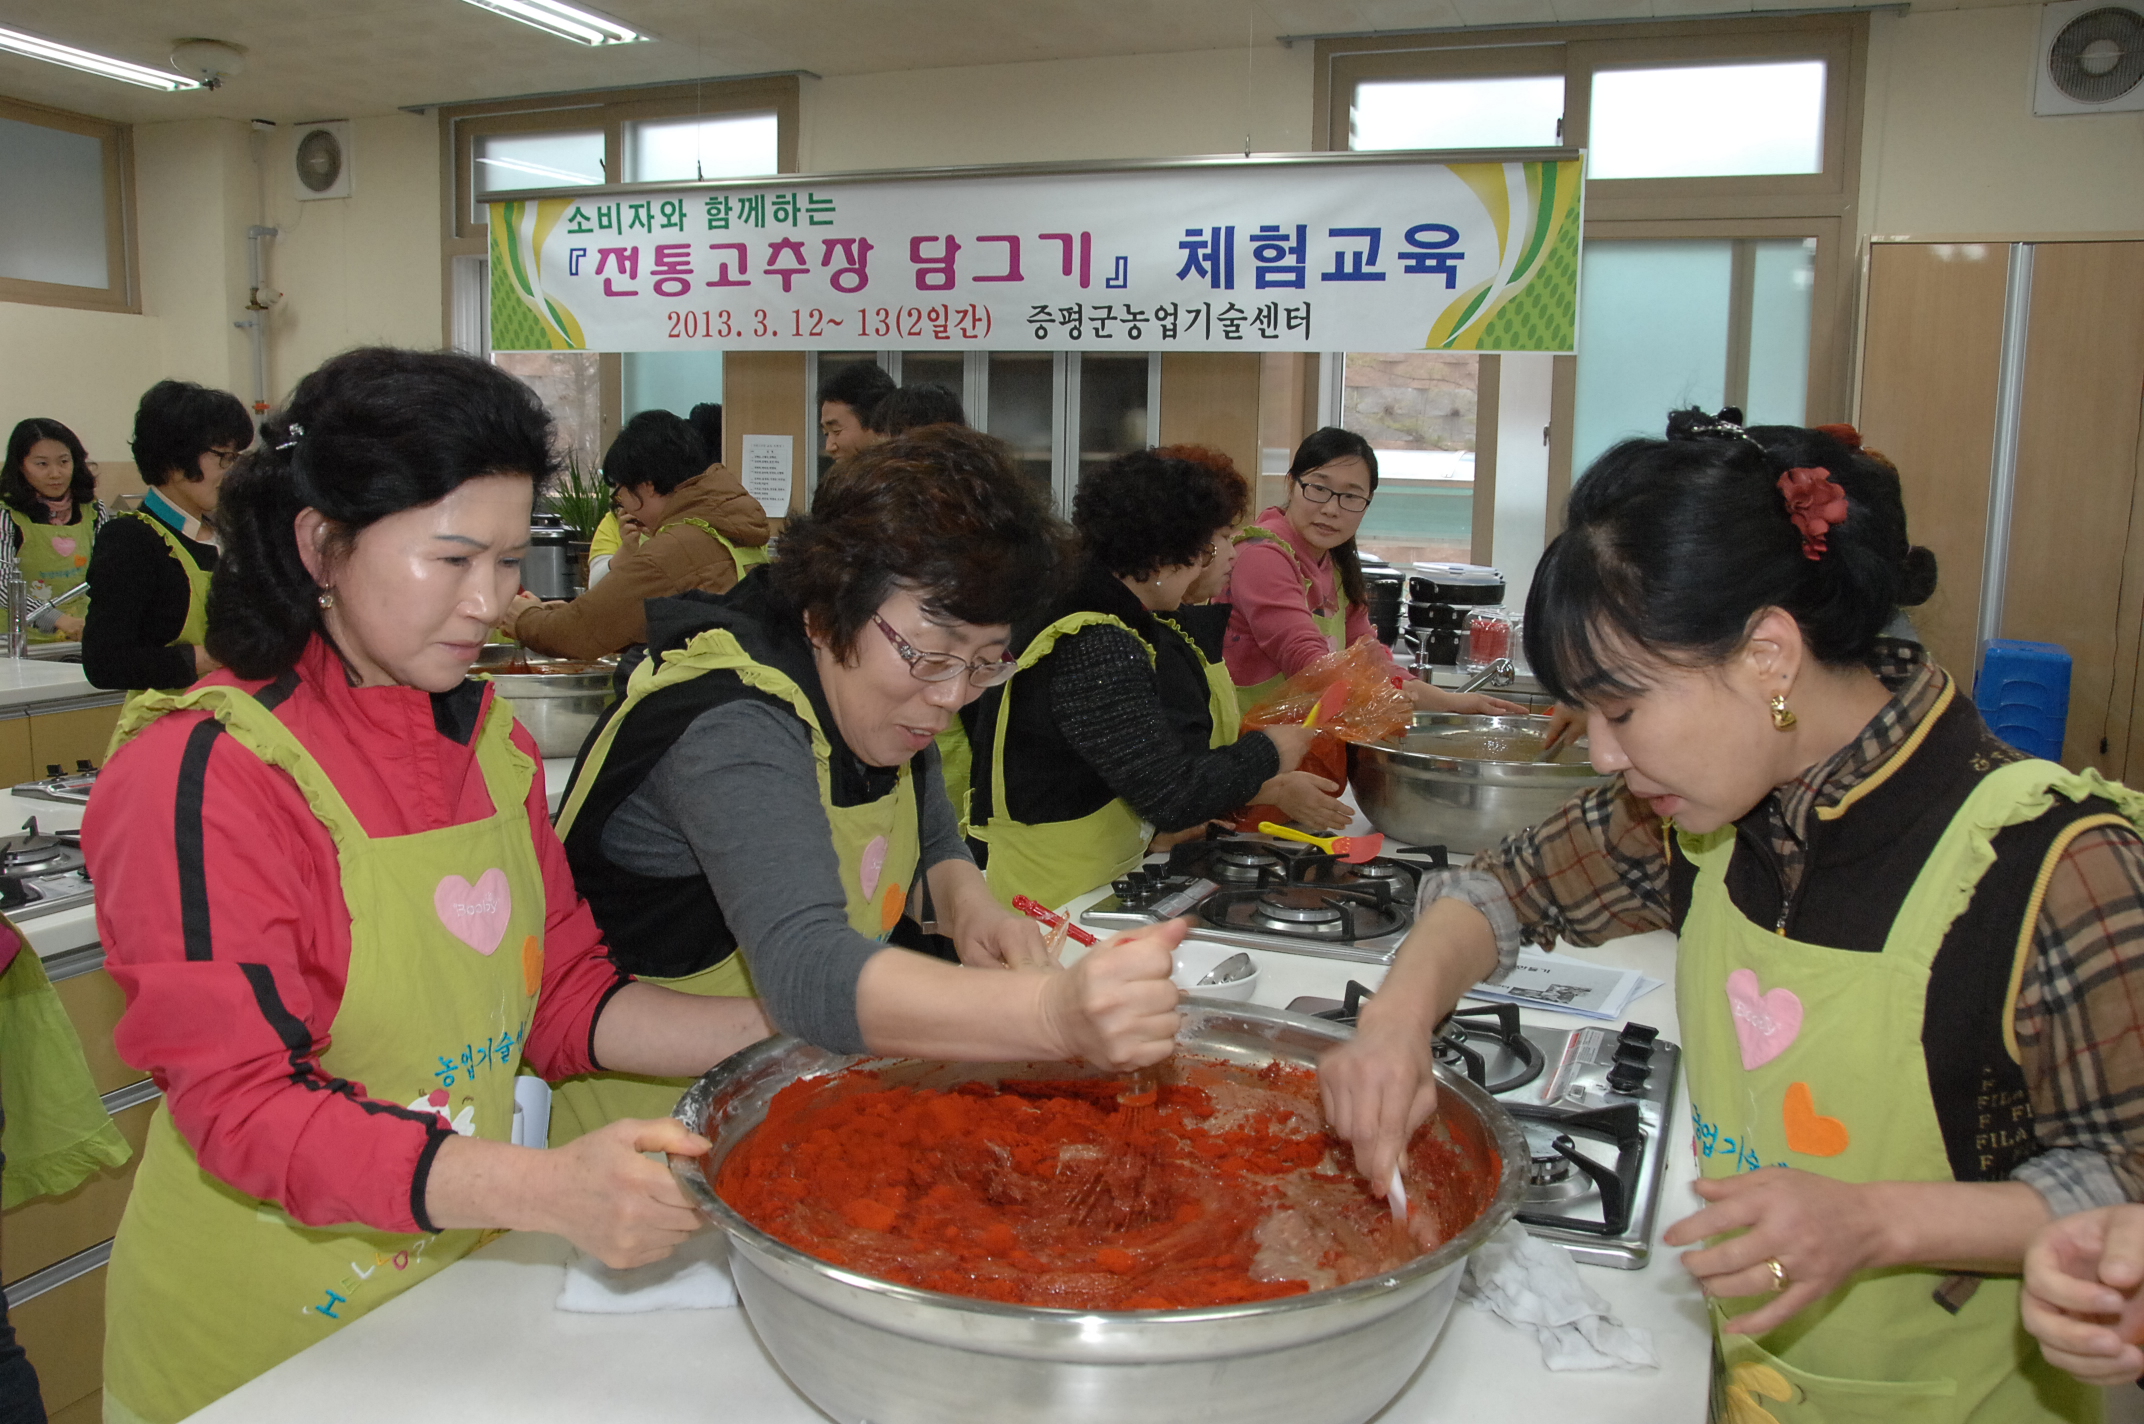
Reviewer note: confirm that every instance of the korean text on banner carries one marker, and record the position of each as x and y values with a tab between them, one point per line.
1251	256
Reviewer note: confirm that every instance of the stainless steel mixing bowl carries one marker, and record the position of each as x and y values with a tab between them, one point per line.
1425	789
558	708
870	1352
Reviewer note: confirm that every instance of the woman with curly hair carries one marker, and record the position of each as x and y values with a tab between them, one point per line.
758	812
1119	722
50	493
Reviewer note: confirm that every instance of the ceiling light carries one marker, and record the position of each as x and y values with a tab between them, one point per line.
16	42
569	22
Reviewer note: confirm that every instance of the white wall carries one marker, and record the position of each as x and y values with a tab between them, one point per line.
1953	148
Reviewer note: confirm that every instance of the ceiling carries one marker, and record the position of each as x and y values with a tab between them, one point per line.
317	59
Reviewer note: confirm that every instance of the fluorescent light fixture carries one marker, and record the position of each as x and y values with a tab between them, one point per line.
52	52
568	22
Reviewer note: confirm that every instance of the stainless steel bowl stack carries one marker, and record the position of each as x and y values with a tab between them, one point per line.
867	1350
1428	789
558	708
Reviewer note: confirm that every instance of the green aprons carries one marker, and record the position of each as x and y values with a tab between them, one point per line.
878	844
1053	861
1807	1056
194	631
744	556
55	558
208	1286
58	1133
1221	692
1332	624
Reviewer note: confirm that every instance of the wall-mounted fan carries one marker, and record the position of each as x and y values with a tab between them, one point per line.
320	167
2091	58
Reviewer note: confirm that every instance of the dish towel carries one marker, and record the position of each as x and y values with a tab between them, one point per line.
696	1276
1534	1284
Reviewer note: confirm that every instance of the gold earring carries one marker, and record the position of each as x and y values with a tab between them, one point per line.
1782	716
327	598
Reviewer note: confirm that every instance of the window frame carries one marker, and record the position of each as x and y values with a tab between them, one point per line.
122	289
1819	205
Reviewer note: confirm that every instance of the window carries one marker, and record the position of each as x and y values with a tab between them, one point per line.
1516	112
1708	121
734	146
1722	168
1418	410
64	230
508	161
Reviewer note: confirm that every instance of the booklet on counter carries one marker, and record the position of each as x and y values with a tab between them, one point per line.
1542	980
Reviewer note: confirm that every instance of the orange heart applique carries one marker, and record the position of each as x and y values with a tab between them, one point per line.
890	908
1809	1131
532	963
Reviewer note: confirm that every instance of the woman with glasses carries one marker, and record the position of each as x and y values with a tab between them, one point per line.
757	814
150	570
1297	591
1118	723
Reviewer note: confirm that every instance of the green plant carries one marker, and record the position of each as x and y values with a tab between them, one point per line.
579	498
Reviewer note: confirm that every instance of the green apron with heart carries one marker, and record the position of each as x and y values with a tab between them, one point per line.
1051	862
1333	623
1805	1056
209	1286
878	844
745	556
53	559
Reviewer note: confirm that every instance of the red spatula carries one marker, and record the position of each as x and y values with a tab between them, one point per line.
1328	703
1352	849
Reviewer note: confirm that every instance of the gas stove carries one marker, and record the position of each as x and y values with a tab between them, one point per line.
1265	894
40	873
1593	1103
69	788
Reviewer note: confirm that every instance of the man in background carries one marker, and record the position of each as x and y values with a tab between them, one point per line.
847	400
911	407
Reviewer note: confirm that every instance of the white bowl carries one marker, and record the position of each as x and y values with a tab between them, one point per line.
1194	961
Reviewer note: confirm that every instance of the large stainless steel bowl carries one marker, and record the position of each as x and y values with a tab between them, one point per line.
558	708
870	1352
1426	790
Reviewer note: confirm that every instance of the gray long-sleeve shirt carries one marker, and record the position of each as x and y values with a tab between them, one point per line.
736	799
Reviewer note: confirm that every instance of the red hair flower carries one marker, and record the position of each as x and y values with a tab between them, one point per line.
1815	503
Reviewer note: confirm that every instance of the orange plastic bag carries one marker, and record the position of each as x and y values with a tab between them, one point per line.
1373	709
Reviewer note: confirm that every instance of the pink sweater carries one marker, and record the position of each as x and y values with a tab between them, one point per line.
1269	632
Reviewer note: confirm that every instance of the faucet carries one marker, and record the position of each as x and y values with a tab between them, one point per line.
1500	673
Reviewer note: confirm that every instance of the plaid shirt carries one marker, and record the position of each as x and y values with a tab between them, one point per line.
1598	870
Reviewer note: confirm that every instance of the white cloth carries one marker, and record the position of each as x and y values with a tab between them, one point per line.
696	1276
1535	1285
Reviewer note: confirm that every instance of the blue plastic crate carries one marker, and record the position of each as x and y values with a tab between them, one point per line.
2023	693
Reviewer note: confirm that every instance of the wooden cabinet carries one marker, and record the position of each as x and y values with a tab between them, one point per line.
64	738
47	1230
1931	383
63	1332
15	763
94	1002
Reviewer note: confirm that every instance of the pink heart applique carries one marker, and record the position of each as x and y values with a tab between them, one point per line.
475	914
1766	1024
63	546
872	865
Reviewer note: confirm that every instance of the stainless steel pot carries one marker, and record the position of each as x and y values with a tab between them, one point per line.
1426	790
867	1350
558	708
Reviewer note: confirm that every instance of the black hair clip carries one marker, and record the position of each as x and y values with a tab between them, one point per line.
1696	425
297	433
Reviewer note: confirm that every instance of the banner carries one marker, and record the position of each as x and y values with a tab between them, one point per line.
1337	254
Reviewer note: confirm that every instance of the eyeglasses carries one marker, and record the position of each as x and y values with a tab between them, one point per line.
225	458
1322	494
944	667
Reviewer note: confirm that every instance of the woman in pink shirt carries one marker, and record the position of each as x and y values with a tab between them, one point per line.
1297	586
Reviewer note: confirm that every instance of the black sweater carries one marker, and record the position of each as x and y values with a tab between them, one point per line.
1095	720
137	605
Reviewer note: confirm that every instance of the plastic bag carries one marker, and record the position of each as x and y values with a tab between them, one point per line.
1373	709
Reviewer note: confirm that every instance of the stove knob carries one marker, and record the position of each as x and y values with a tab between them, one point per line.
52	768
82	764
1125	887
1628	1078
1634	1055
1638	1033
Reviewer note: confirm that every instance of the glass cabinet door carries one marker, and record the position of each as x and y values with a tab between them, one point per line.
1112	410
1023	407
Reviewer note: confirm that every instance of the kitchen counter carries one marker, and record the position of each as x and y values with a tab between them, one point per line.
33	685
57	931
482	1340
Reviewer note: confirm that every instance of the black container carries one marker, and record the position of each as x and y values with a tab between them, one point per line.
1460	584
1449	616
547	568
1384	584
1439	645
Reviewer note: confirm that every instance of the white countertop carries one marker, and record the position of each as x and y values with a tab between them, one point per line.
27	684
61	930
506	1353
